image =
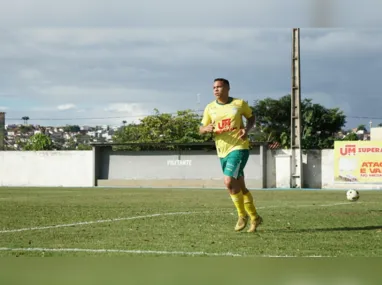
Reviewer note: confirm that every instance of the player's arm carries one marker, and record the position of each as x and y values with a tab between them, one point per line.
206	125
248	114
206	129
250	123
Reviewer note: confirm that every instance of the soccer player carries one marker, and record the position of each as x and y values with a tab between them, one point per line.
224	118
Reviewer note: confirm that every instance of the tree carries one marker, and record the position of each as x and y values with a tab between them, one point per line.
351	137
272	118
128	134
24	129
72	128
319	124
162	128
362	128
82	146
25	119
39	142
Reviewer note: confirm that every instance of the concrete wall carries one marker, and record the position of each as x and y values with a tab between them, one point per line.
171	169
317	168
46	168
269	169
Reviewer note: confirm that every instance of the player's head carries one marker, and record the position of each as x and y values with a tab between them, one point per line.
221	88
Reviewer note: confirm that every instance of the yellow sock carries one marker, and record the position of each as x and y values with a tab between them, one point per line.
249	205
238	200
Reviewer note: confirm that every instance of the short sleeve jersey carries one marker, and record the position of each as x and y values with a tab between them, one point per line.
228	120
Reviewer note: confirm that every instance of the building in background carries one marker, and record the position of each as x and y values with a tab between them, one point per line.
376	134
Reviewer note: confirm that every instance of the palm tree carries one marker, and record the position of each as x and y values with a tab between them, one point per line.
25	118
124	122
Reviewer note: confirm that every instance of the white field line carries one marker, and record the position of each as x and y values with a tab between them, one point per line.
294	256
304	206
95	222
157	252
145	251
140	217
335	204
119	251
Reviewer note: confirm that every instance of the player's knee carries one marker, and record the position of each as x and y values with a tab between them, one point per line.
228	182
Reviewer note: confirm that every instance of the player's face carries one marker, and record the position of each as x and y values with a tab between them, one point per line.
220	90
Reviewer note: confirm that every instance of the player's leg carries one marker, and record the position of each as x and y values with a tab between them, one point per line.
249	204
248	199
250	207
231	168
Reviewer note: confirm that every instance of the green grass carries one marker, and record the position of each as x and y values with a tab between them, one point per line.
296	223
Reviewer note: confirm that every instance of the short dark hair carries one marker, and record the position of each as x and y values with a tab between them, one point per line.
225	81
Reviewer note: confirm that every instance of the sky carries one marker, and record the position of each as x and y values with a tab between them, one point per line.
101	62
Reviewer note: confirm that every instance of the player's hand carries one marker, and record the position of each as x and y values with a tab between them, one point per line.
209	128
243	134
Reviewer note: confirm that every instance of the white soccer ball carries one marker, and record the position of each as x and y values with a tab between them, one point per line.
352	195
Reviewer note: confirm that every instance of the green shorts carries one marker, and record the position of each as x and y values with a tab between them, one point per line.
233	164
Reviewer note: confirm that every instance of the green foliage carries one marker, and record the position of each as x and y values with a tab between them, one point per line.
272	118
39	142
24	129
351	137
72	128
162	128
319	124
82	146
362	128
25	119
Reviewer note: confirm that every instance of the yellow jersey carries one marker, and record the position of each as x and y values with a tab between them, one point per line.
228	120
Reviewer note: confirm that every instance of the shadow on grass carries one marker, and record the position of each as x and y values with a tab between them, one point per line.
365	228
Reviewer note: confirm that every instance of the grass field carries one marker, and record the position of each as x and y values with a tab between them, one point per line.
176	222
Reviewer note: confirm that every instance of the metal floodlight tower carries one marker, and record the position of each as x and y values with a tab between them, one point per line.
296	161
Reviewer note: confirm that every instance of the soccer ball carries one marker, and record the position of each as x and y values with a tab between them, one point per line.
352	195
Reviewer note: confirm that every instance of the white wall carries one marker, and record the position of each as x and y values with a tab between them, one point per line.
318	171
327	169
77	169
154	169
271	166
46	168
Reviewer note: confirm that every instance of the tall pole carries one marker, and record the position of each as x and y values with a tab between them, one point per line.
296	167
2	130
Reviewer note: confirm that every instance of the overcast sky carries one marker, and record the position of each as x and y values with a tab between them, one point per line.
101	62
